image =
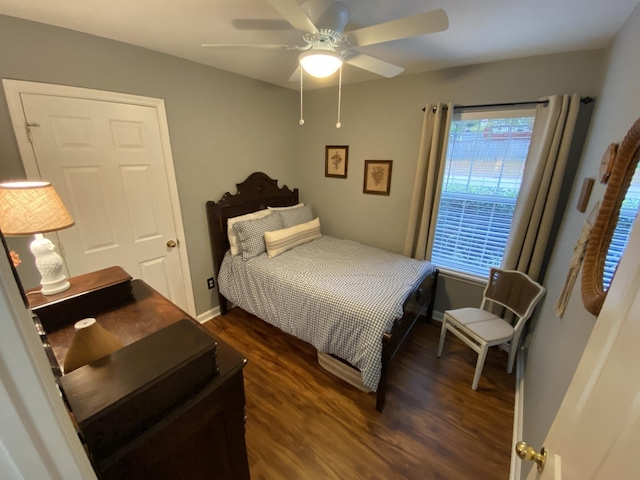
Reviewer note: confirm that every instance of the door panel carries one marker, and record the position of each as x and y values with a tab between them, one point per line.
91	210
107	163
136	182
71	132
127	135
156	270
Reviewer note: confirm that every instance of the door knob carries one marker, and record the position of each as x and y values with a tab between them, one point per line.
171	244
525	452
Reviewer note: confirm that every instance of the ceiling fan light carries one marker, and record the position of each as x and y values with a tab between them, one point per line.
320	64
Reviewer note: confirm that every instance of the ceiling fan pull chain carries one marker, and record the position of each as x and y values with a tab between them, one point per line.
301	115
338	125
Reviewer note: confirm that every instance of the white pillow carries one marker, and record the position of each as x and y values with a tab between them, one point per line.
279	241
275	209
296	216
251	234
232	234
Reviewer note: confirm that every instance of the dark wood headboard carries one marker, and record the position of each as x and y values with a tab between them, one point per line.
257	192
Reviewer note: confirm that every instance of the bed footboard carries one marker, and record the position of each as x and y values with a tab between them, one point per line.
419	303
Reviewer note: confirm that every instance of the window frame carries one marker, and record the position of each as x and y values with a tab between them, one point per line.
492	113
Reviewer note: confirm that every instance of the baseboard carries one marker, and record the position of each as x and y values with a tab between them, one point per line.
437	316
208	315
518	417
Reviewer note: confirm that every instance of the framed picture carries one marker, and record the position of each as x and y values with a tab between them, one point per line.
377	177
335	162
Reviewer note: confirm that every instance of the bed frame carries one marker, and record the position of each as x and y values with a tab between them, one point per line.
258	192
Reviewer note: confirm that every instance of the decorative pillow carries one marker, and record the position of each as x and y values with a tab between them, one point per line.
275	209
234	241
251	234
282	240
295	216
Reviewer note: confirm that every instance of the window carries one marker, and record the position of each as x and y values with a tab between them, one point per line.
483	172
628	212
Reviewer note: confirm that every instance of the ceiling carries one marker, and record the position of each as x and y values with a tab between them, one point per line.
479	30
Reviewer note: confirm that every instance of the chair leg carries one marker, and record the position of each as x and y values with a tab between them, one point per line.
513	349
482	355
512	357
443	334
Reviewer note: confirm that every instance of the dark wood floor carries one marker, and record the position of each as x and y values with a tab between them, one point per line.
304	423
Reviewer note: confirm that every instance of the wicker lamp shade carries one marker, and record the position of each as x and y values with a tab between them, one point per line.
27	208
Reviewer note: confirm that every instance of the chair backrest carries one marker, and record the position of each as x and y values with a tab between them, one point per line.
515	291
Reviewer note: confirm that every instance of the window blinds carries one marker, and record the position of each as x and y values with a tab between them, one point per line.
483	171
628	213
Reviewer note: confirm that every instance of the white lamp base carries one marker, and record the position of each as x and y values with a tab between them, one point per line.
49	265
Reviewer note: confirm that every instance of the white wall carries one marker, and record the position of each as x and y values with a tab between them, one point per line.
558	343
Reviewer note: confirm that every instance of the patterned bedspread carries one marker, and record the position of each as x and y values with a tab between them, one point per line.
338	295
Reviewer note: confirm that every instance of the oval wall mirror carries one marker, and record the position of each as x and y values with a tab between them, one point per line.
624	166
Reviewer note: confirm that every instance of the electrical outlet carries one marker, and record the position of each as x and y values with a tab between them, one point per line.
210	283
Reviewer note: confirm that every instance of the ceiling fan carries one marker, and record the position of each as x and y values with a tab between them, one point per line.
326	44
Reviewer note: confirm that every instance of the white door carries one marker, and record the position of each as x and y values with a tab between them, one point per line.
106	160
596	433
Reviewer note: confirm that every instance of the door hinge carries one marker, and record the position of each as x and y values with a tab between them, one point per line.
30	125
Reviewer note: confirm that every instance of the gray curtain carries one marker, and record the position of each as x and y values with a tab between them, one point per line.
541	182
428	181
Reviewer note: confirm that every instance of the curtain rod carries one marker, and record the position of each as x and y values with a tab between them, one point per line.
585	100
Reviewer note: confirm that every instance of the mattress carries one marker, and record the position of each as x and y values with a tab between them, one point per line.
338	295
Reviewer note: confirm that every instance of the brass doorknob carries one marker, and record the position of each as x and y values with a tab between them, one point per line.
172	244
525	452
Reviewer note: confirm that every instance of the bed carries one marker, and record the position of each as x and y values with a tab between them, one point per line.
308	291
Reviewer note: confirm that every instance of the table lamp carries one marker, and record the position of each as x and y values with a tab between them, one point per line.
34	208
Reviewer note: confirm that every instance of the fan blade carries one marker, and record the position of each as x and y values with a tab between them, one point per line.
372	64
248	45
293	14
412	26
260	24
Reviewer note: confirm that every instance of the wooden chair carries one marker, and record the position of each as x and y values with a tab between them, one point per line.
480	329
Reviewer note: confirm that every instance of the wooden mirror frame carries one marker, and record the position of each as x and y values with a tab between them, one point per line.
624	166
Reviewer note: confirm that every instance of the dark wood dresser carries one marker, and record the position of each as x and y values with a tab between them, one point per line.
169	405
